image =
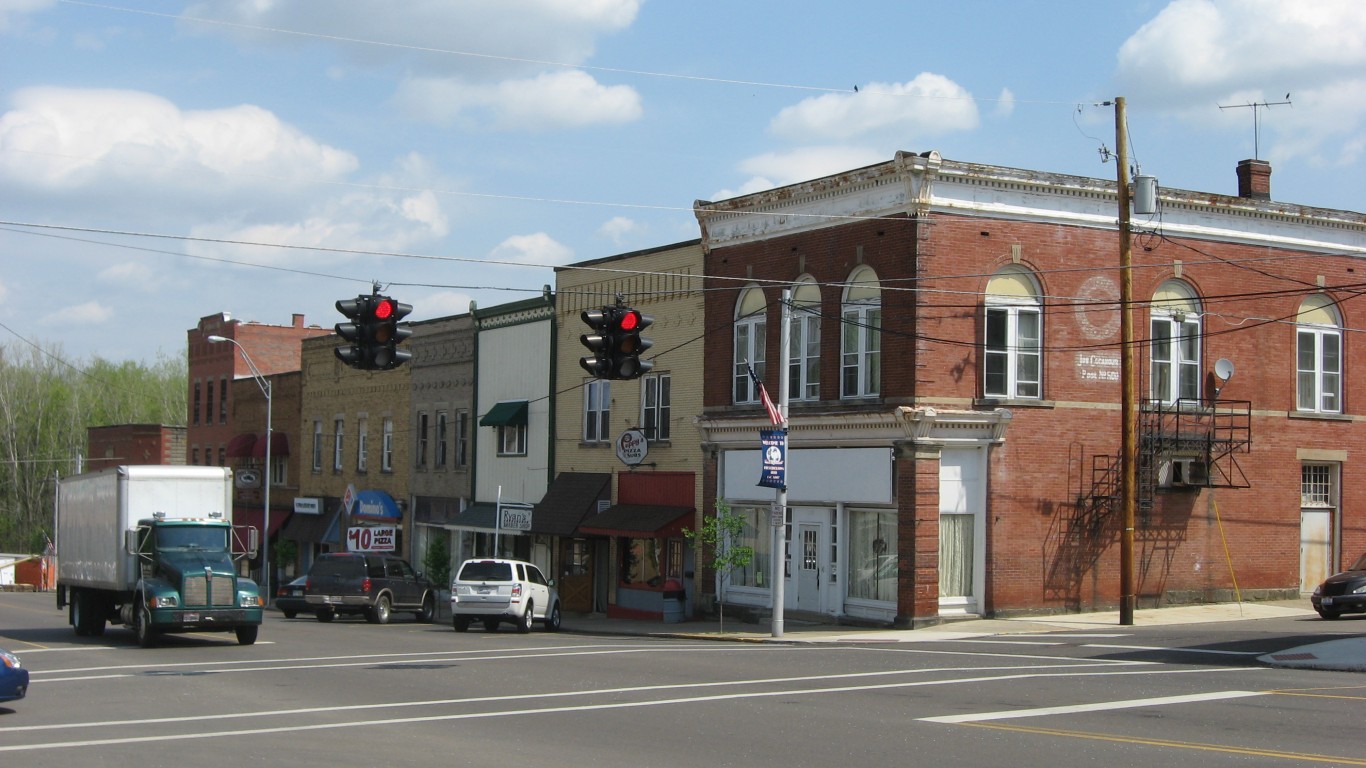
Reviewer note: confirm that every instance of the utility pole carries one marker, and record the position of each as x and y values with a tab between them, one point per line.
1127	375
779	517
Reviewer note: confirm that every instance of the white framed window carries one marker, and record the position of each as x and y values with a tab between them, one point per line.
1175	344
512	440
751	329
279	470
421	447
317	446
362	444
338	432
804	342
1316	486
441	436
861	339
597	410
1318	356
462	438
656	404
386	456
1012	355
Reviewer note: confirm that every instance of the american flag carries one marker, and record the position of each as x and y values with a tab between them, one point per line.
774	415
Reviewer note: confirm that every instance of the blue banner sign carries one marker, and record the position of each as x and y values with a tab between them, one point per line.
774	442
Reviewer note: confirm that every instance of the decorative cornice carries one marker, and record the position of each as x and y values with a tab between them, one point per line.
862	429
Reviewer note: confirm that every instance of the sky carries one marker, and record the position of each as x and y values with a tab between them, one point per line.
163	161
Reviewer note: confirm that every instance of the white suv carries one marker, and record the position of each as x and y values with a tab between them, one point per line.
497	590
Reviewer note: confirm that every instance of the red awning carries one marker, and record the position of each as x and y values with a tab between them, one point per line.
279	446
241	446
253	517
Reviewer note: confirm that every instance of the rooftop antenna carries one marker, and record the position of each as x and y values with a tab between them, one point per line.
1256	120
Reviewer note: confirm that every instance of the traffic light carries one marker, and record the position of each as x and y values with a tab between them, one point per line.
599	342
386	335
628	344
357	352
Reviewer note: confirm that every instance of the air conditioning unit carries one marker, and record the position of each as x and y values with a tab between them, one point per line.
1187	473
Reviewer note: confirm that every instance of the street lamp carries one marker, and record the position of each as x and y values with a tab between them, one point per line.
264	384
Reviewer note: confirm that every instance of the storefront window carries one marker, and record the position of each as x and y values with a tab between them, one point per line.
872	555
757	534
642	562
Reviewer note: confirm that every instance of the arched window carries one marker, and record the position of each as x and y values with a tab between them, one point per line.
861	342
1318	356
804	343
1012	358
1175	344
750	329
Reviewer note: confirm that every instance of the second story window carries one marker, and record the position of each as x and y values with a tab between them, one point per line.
386	457
195	415
1012	353
223	400
750	339
1318	356
337	433
421	440
317	446
441	438
597	410
462	439
861	336
1175	344
804	345
362	444
655	406
512	440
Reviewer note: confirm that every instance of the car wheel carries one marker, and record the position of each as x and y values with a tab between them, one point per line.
552	620
490	625
1330	615
460	623
290	614
528	618
380	613
142	624
428	611
326	614
246	634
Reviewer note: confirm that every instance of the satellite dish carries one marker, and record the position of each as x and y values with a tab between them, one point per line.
1224	369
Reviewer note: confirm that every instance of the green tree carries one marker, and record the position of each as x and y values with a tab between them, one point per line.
717	545
437	560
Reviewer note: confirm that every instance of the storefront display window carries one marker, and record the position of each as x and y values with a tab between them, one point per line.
642	562
872	555
757	534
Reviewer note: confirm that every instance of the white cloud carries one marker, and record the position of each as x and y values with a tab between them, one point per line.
1005	103
929	105
4	293
440	304
129	274
776	169
13	13
566	99
617	228
537	249
89	313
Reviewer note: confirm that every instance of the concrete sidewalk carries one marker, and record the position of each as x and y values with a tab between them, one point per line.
1345	654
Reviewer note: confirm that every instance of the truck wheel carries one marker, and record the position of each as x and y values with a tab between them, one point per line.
380	613
246	634
79	608
428	611
142	625
460	623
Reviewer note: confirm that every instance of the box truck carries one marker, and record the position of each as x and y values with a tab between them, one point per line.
153	548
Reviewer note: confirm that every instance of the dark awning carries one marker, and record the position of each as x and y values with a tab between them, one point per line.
279	446
315	529
240	447
255	518
478	516
570	499
507	414
638	521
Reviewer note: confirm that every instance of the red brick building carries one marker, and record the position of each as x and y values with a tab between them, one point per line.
954	384
119	444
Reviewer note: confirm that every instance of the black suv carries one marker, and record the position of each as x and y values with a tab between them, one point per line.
369	583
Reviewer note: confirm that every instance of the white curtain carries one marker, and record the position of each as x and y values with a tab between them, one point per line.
955	555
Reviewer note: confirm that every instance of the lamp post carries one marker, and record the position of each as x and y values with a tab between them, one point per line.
264	384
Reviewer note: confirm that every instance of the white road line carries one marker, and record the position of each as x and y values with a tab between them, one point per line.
1097	707
372	723
1173	650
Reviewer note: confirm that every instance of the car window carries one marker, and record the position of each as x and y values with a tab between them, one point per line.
344	567
533	575
395	568
481	570
374	567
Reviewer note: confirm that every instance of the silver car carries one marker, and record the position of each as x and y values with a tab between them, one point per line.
495	590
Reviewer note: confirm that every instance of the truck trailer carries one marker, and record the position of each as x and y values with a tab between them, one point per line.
153	548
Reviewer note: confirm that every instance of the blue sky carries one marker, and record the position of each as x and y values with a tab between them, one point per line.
274	156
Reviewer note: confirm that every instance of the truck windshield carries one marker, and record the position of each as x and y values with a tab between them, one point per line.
213	539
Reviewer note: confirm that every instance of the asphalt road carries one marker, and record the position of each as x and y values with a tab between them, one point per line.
408	694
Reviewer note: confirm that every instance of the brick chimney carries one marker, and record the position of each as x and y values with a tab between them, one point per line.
1254	179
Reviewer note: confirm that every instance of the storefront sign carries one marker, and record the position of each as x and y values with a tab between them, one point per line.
375	538
632	447
774	473
304	506
516	519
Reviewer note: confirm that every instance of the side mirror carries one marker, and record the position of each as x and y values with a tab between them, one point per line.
130	541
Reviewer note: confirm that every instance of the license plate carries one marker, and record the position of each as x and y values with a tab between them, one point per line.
331	600
188	617
1327	601
486	590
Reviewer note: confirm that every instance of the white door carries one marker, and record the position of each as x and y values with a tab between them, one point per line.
962	530
1316	547
808	557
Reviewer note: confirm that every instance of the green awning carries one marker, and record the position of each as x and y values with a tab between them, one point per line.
508	414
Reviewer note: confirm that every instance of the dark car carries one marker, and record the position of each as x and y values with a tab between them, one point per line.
290	598
13	677
367	583
1343	592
